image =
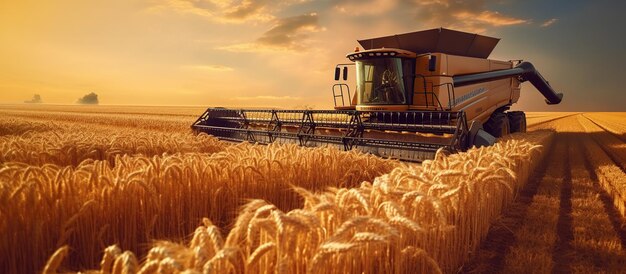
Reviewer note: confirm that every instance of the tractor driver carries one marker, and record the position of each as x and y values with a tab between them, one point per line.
388	91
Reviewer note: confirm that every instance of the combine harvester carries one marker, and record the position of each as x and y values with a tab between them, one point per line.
415	93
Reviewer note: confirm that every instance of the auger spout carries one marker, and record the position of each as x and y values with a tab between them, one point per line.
525	71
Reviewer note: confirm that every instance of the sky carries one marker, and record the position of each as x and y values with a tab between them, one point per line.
261	53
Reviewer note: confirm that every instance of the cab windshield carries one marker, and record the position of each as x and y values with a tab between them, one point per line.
380	81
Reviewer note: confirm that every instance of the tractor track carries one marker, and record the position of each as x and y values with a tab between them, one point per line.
565	231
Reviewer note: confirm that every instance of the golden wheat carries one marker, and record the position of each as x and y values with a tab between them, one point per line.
164	123
17	126
416	219
73	147
613	122
117	189
170	194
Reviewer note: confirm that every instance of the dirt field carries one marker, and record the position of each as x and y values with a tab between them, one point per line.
131	188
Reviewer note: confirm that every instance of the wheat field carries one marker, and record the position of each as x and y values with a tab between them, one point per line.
133	190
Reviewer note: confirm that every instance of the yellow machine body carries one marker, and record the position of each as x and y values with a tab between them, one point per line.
415	94
434	90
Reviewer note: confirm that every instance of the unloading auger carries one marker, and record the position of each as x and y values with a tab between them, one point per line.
415	93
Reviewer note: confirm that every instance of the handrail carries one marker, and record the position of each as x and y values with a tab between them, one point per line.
335	95
451	92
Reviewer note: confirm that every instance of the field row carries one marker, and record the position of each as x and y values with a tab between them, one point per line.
608	155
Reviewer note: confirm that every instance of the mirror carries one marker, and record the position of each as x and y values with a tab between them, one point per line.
345	73
432	63
337	72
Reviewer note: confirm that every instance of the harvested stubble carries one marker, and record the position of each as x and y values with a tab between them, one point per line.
595	241
611	121
610	176
606	154
566	228
611	143
545	120
424	219
531	252
139	199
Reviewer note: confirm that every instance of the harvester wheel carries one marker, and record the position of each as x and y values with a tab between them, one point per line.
517	120
497	125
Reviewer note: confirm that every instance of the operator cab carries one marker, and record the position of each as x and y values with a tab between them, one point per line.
384	78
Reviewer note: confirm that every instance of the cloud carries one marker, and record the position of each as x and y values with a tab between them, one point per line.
182	6
208	67
549	23
267	97
248	9
371	7
492	18
290	33
471	15
225	11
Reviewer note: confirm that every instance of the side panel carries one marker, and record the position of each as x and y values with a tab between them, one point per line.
480	100
515	90
434	90
465	65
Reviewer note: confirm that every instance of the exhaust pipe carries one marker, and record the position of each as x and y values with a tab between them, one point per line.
524	71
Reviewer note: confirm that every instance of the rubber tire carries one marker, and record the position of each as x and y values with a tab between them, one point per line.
498	124
517	121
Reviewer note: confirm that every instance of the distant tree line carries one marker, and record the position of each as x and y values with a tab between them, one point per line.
88	99
35	100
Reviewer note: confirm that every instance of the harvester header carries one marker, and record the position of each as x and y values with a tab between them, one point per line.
415	93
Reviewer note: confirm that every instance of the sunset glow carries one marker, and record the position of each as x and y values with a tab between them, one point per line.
282	54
